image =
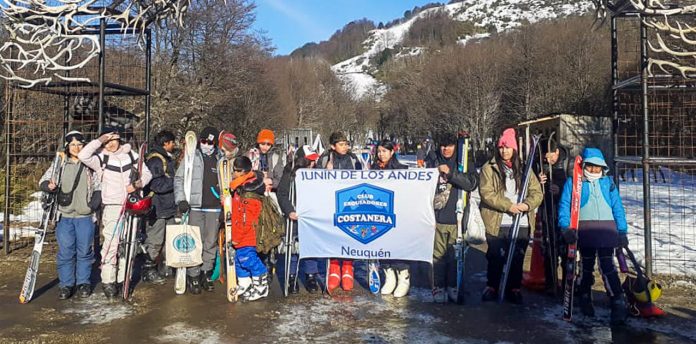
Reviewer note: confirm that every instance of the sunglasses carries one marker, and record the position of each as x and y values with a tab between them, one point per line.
206	141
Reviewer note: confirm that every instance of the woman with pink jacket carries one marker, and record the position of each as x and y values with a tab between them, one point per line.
114	164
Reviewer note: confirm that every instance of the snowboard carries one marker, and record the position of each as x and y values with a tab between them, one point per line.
131	241
50	207
515	229
190	141
462	197
572	263
224	179
373	280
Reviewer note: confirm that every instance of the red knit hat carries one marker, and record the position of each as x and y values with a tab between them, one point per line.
265	135
508	139
228	141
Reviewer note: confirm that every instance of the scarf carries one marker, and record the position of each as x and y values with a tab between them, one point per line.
207	149
592	176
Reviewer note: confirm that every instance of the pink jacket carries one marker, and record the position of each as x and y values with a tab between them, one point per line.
116	176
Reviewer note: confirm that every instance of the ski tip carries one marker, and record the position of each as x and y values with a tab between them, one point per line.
22	299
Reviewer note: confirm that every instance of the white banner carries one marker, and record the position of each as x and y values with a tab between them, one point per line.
372	214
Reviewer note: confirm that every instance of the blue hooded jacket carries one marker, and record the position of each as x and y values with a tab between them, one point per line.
609	207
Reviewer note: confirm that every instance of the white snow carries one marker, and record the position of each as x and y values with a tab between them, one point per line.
31	213
98	310
357	72
473	38
180	332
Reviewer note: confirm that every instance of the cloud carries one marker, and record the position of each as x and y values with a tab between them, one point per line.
306	22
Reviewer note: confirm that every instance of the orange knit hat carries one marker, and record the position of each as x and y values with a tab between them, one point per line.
265	135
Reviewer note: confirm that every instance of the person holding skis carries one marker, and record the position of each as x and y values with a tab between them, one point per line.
396	272
339	157
305	157
204	209
75	229
248	190
602	228
501	182
160	162
114	163
449	181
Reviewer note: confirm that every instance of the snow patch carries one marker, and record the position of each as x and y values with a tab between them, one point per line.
98	310
180	332
31	213
473	38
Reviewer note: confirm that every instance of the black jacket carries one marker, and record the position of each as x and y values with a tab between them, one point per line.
391	165
347	161
162	183
460	181
287	181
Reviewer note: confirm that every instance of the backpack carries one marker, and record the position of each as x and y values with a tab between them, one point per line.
164	161
270	229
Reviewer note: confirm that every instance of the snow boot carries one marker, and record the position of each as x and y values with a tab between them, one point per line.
439	295
619	312
389	281
334	275
347	275
311	283
84	290
110	290
514	296
259	288
293	288
243	285
649	310
489	294
194	284
208	282
65	293
586	307
452	294
150	273
404	284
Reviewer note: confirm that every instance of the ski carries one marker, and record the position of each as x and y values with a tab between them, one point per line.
569	288
547	227
515	229
131	234
459	249
289	246
224	179
326	281
373	279
50	214
190	141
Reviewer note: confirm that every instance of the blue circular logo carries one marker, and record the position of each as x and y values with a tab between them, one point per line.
184	243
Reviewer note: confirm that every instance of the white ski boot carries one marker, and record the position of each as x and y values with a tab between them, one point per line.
258	290
243	285
389	281
404	283
452	294
439	295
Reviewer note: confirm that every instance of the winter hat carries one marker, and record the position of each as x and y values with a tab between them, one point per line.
446	139
210	134
308	153
242	163
337	137
228	141
74	135
508	139
118	130
595	157
265	136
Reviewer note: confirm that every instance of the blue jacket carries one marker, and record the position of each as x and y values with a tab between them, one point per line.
609	191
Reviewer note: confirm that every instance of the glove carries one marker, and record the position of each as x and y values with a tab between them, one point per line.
184	207
570	237
623	240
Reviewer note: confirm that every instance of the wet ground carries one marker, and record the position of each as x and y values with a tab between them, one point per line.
157	315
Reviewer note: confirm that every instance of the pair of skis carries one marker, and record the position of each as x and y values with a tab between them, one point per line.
572	264
460	248
224	179
50	214
291	247
550	242
515	229
190	143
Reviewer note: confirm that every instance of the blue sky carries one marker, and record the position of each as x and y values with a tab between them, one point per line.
292	23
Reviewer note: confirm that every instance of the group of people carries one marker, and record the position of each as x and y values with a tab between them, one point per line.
99	175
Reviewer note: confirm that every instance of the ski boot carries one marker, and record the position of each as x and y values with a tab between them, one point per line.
259	288
194	284
389	281
514	296
404	283
293	288
452	294
311	283
243	285
110	290
84	290
208	282
347	275
489	294
334	275
150	273
439	295
586	307
619	312
65	293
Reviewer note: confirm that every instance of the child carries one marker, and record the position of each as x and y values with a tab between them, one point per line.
501	182
602	228
247	191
